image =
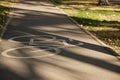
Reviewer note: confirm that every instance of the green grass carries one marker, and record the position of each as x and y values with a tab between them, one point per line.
95	18
104	24
4	10
102	21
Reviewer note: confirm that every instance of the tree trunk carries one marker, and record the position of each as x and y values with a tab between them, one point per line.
103	2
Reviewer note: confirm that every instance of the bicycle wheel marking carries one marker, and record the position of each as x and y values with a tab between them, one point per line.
7	53
30	36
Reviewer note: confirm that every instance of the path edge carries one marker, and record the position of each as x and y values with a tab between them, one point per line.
7	21
105	46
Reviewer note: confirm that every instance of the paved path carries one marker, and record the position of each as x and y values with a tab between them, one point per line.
42	43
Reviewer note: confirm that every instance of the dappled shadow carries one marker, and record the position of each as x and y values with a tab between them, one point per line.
111	33
32	22
91	60
70	41
85	3
95	23
17	72
6	74
2	8
32	63
34	2
67	64
108	31
88	5
46	18
111	37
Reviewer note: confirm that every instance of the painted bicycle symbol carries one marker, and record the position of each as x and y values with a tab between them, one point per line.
38	46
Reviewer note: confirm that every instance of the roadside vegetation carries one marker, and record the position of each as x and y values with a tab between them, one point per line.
101	21
4	10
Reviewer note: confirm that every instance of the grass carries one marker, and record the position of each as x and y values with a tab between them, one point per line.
4	10
102	21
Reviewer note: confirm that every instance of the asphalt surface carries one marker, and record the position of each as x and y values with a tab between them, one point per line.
42	43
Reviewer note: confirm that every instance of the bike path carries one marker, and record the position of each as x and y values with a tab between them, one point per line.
42	43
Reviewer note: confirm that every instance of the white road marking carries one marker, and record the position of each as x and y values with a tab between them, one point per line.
5	53
28	36
40	41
